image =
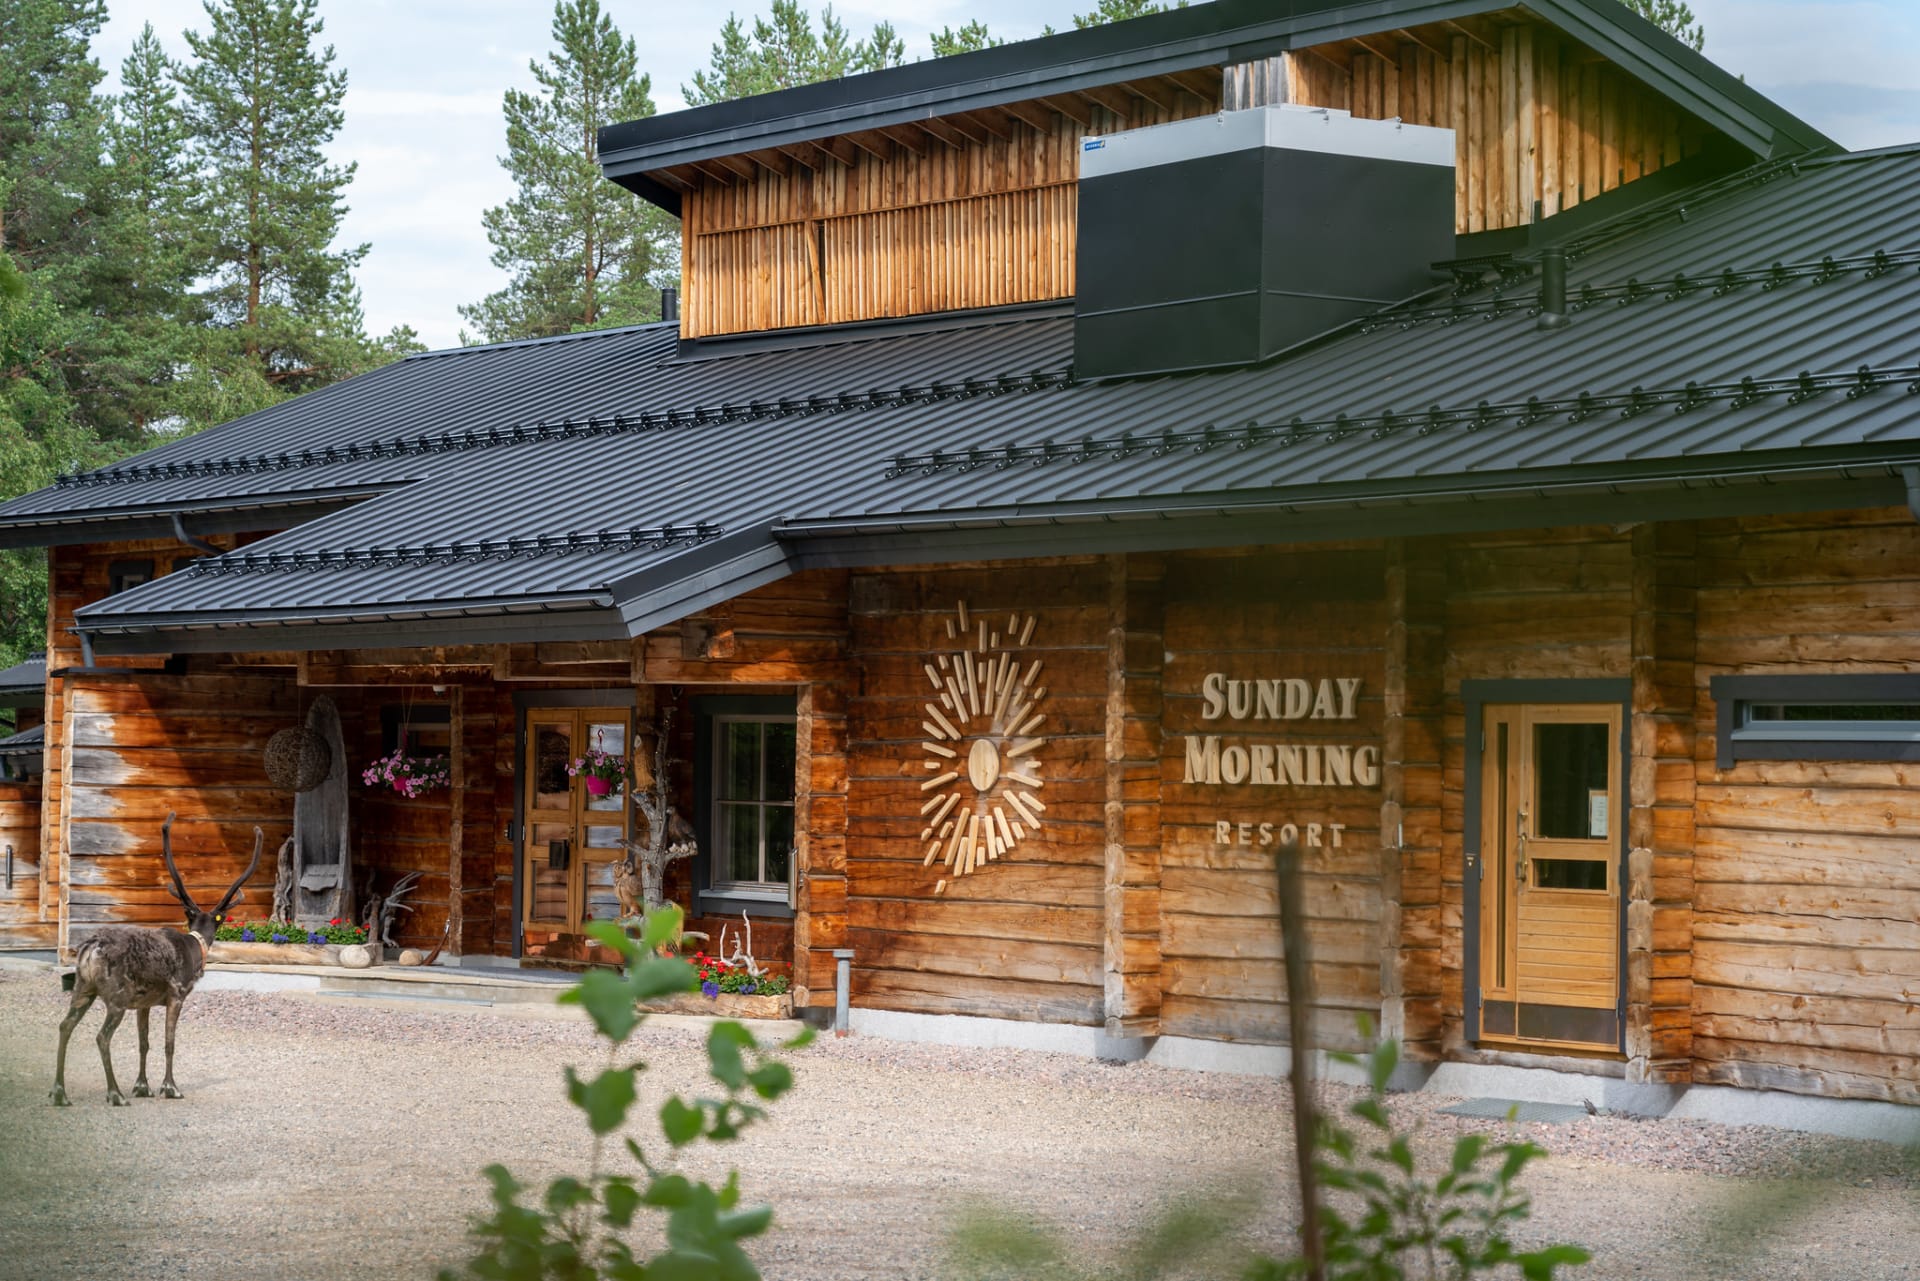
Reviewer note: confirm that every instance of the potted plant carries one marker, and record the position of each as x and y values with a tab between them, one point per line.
604	771
411	776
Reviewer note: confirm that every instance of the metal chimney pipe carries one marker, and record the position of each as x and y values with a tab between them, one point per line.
670	303
1553	288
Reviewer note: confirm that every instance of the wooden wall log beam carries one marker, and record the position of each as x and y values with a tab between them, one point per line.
1661	777
1131	936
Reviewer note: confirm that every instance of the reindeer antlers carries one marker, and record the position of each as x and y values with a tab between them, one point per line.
180	886
166	852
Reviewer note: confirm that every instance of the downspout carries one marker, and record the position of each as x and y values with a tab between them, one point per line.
198	544
1911	474
842	988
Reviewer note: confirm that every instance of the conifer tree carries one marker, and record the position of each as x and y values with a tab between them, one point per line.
974	36
146	240
784	50
1675	17
583	253
261	105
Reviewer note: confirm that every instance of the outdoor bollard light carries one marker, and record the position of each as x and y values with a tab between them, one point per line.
842	976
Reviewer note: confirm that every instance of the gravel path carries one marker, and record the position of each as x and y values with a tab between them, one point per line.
333	1139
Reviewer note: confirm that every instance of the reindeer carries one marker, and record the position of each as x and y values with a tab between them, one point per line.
136	967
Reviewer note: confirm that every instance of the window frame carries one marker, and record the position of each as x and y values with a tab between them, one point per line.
1735	741
714	895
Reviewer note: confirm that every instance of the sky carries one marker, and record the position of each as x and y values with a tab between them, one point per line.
425	78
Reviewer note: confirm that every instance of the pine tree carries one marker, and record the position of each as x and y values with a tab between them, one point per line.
1675	17
583	253
1121	10
146	240
261	105
968	39
784	51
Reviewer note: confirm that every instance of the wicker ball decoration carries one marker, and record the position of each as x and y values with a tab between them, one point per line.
298	759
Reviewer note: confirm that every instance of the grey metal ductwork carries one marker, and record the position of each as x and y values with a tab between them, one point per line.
1224	239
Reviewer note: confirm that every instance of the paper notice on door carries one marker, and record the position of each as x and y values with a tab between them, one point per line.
1596	814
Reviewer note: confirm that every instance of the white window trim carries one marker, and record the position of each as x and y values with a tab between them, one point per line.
761	891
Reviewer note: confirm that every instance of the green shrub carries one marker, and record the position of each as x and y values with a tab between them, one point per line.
335	931
577	1230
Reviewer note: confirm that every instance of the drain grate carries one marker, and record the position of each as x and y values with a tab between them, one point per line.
1500	1109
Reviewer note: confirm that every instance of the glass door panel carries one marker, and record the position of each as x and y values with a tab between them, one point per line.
573	836
1549	897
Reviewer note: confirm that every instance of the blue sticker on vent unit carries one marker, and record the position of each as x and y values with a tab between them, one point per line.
1092	144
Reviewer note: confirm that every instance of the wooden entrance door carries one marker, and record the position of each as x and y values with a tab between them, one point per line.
570	835
1549	869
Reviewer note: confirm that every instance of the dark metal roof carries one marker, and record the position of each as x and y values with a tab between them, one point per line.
1754	346
25	681
441	412
1200	35
31	742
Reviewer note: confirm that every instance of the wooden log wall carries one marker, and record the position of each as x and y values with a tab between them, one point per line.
22	922
123	749
1806	874
1660	796
1314	614
1412	924
1024	936
140	745
1540	123
901	224
1530	605
1136	654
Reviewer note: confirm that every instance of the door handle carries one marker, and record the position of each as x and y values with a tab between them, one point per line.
1520	850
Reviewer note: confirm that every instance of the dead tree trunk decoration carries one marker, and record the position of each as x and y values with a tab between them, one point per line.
321	888
640	879
283	883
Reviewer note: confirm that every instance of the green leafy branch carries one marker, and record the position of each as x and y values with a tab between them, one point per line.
578	1230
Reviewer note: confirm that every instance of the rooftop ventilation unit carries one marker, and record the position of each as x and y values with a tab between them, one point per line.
1224	239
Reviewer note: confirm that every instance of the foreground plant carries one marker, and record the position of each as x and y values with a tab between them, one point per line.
579	1229
1408	1225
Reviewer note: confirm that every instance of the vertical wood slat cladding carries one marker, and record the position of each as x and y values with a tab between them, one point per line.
1022	937
1316	614
1806	874
1532	605
22	923
1540	124
1660	790
906	231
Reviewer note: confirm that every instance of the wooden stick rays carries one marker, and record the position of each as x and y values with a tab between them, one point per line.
983	745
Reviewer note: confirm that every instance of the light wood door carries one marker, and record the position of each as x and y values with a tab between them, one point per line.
1549	871
570	835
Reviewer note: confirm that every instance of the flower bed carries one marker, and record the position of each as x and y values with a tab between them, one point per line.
732	991
338	931
283	942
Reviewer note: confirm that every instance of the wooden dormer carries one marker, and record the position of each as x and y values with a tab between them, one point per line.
951	185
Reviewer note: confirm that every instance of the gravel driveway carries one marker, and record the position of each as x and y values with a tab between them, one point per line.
336	1140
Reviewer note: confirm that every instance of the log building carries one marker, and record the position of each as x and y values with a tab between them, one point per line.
1478	443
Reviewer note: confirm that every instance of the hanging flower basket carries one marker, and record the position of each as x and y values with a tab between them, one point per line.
411	776
604	771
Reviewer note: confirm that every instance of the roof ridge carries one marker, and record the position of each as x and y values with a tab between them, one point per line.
575	335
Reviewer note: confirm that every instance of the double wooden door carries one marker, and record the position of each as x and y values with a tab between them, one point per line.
1548	870
570	835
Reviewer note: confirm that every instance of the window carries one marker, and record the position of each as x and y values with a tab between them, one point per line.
752	817
1864	717
122	575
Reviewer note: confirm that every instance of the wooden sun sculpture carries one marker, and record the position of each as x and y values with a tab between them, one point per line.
982	748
